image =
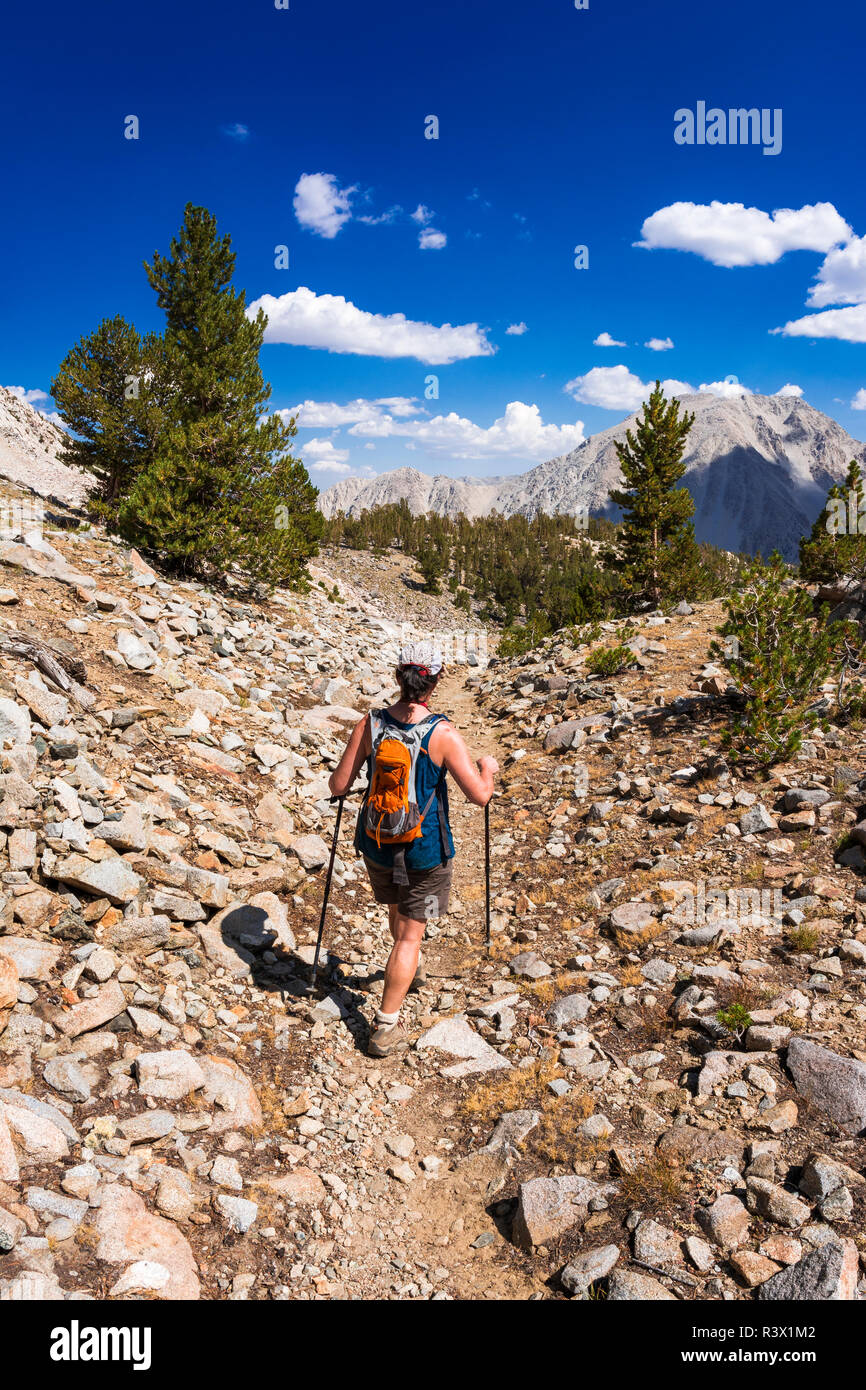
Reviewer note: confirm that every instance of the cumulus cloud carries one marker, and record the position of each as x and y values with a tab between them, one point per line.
730	234
330	415
616	388
422	215
31	397
321	205
306	319
789	390
326	457
431	240
519	433
842	277
605	340
859	401
659	344
847	324
517	329
729	390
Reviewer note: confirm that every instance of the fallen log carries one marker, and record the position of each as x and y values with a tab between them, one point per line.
67	672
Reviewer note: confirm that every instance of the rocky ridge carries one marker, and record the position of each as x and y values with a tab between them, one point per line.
30	445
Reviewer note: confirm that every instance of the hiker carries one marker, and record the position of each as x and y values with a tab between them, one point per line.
403	830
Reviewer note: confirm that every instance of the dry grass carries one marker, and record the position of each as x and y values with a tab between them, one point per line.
748	996
805	937
87	1237
651	1184
543	992
557	1138
519	1089
271	1096
658	1024
792	1021
541	894
631	977
471	892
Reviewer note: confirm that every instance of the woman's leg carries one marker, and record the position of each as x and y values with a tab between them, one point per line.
403	960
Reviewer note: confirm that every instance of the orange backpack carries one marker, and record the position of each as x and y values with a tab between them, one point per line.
391	815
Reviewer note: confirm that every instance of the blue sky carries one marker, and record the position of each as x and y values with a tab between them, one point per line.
305	128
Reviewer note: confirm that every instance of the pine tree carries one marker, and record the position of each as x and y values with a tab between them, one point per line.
222	490
432	564
658	556
836	548
778	655
111	391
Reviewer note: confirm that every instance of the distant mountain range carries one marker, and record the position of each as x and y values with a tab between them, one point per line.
758	468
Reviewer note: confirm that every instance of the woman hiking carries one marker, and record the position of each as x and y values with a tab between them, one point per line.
403	830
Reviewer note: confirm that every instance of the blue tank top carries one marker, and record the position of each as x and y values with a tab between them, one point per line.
427	851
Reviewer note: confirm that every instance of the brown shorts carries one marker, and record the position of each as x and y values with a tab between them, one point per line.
426	895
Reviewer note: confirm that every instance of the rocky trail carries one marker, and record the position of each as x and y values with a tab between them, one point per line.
180	1118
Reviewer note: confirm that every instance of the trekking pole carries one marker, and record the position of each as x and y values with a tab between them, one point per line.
339	800
487	872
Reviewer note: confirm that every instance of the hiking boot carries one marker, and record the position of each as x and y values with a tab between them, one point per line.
386	1041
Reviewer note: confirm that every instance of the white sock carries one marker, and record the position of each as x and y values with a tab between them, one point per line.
387	1020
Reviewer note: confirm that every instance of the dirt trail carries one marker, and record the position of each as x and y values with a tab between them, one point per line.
434	1224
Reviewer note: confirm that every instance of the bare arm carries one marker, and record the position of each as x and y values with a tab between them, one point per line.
475	779
354	754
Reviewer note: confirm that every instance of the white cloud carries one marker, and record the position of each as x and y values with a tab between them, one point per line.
519	433
306	319
616	388
236	131
32	397
387	217
605	340
841	280
517	329
431	240
842	277
728	390
730	234
847	324
859	401
321	205
329	415
422	215
326	457
789	390
659	344
35	397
